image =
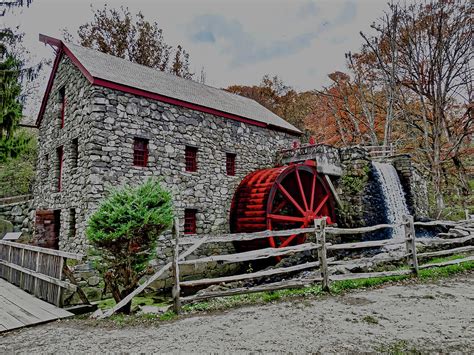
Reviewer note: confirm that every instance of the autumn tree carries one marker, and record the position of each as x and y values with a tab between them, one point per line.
119	33
352	108
279	98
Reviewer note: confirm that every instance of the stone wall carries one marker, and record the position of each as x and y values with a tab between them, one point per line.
361	195
72	200
414	185
19	211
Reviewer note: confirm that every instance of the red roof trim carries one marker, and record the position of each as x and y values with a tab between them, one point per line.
169	100
49	86
61	49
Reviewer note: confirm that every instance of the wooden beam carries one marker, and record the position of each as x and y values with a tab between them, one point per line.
371	244
253	275
362	261
436	223
333	190
39	276
252	255
176	287
368	275
410	244
238	237
446	252
440	241
261	288
362	230
319	226
68	273
446	263
64	254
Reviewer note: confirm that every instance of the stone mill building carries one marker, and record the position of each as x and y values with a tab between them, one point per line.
105	122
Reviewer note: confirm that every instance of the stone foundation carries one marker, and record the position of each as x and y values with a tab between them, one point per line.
19	211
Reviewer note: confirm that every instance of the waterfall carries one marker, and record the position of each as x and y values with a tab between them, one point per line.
393	195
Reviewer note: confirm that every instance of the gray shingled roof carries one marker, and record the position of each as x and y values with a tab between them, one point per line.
121	71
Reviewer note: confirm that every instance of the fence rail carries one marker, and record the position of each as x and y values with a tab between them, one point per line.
376	151
36	270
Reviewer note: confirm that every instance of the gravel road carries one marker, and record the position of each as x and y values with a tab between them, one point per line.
437	316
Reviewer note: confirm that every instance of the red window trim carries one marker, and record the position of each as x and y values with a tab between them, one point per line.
190	156
140	152
60	154
230	164
190	221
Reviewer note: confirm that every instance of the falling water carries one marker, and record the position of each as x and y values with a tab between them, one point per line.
393	195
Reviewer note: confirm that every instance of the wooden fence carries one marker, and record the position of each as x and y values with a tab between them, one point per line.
320	230
37	270
320	245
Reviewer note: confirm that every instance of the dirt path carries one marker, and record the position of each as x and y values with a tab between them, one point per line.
434	316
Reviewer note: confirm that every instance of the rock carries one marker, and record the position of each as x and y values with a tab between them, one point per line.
5	227
131	109
153	309
97	314
93	280
16	211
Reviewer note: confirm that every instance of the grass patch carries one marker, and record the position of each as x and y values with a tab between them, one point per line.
136	301
370	320
443	259
398	348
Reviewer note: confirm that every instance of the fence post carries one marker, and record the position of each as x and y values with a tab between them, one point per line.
176	288
319	229
410	243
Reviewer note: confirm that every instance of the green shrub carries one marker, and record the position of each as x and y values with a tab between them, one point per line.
124	231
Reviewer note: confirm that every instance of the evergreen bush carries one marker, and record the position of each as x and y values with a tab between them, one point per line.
124	231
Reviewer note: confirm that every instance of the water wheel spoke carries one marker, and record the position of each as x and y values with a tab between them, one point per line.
300	185
280	206
321	204
282	218
271	241
313	188
288	240
290	198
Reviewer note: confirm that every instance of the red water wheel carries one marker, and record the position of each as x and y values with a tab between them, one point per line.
280	198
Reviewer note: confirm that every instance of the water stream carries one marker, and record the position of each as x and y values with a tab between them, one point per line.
393	195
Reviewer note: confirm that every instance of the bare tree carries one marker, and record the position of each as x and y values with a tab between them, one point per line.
423	52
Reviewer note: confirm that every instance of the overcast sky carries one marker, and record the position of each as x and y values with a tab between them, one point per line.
236	42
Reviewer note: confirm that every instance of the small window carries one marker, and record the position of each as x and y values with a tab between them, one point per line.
62	102
230	164
74	152
140	152
191	158
46	165
60	153
190	221
72	223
